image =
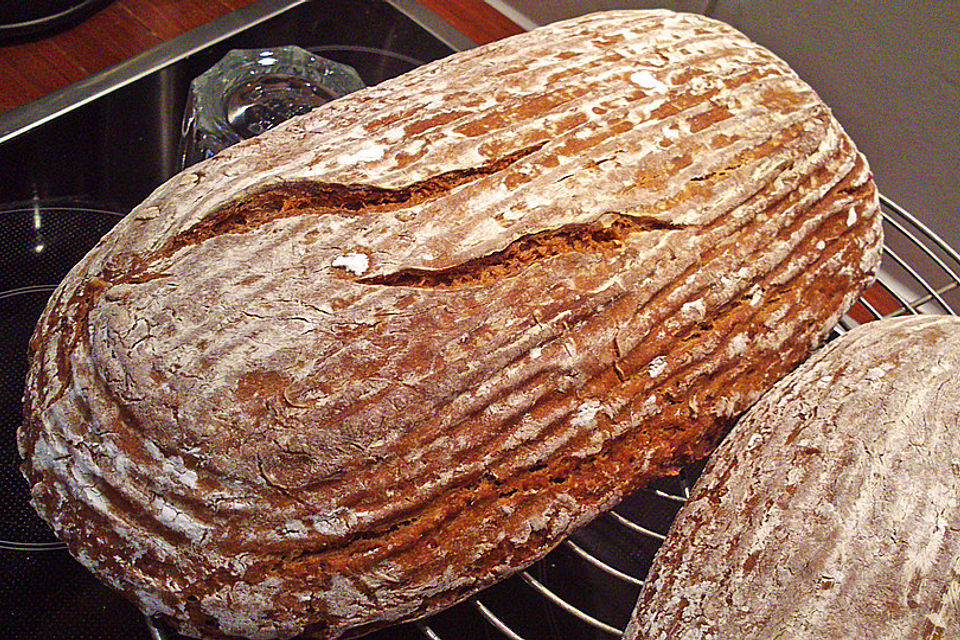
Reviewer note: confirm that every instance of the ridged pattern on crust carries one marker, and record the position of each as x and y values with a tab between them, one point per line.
831	509
354	370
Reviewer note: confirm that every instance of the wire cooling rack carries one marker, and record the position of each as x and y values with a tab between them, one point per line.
918	273
586	588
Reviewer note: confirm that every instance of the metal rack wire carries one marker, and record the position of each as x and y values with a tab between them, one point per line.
919	272
585	588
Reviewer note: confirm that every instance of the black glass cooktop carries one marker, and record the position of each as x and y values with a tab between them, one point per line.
65	183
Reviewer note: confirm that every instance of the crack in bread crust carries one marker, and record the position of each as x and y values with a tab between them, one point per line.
605	236
316	198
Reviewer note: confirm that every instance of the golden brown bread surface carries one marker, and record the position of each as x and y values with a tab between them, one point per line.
353	370
830	511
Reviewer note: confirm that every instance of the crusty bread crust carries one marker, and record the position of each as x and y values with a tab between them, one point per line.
830	511
358	368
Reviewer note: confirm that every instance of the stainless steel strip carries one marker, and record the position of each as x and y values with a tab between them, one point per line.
931	293
430	21
24	118
905	306
873	310
843	325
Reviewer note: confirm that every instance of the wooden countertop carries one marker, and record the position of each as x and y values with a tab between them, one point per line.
125	28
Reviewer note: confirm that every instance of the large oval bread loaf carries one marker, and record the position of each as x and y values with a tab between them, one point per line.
831	510
358	368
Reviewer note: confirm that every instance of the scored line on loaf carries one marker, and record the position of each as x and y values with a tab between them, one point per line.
299	197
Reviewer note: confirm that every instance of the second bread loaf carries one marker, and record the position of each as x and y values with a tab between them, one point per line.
830	511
